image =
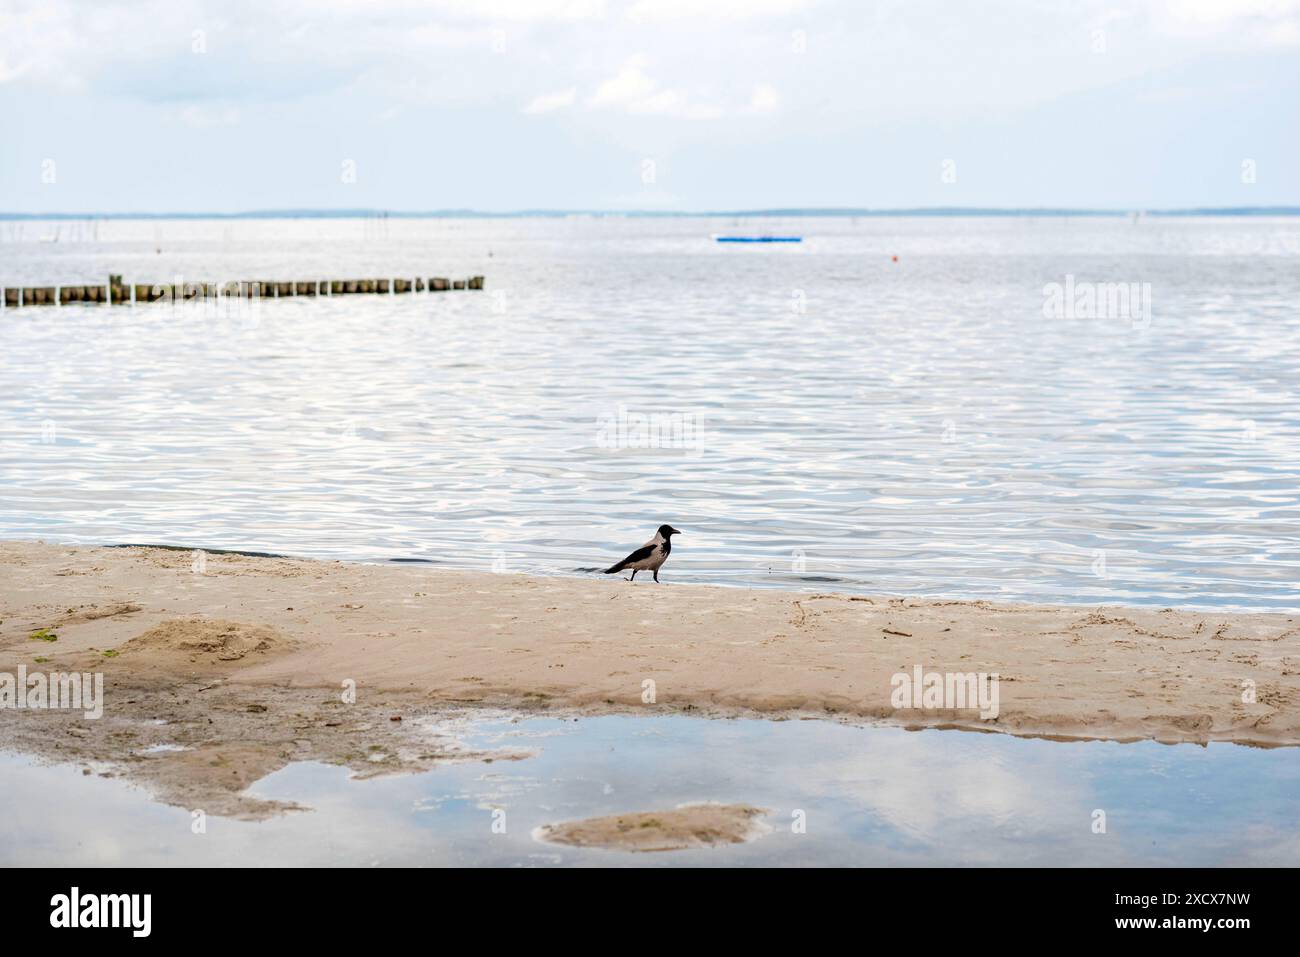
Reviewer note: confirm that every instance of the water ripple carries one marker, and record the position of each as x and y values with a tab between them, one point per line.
915	427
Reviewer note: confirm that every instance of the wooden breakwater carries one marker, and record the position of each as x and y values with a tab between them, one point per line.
115	292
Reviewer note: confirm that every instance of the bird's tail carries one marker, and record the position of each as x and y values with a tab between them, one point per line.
615	568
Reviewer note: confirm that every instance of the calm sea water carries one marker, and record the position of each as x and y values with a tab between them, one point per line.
864	796
835	418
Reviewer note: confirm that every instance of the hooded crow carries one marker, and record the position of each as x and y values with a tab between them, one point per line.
650	556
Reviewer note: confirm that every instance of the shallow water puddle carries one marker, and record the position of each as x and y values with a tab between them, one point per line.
832	793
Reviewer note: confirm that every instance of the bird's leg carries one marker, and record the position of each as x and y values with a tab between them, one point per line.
634	571
656	576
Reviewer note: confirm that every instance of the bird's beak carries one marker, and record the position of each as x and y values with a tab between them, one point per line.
677	531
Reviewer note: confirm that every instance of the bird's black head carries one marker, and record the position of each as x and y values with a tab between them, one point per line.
667	531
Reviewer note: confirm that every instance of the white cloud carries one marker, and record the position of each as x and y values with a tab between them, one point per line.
633	91
648	11
1221	11
42	45
527	9
549	102
625	87
1286	34
1252	23
496	11
764	99
8	73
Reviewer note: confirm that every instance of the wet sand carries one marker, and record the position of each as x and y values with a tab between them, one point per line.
256	662
676	829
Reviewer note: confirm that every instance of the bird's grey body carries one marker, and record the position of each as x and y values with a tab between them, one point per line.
650	556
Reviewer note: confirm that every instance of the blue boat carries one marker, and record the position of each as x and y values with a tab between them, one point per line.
759	239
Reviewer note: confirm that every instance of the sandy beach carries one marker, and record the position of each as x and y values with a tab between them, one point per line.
256	662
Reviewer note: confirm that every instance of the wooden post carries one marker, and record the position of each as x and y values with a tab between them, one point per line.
116	292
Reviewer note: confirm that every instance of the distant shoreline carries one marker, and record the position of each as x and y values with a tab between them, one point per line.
823	212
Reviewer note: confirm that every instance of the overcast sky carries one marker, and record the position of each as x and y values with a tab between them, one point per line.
231	105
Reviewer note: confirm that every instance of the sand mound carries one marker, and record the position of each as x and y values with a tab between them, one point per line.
210	639
694	825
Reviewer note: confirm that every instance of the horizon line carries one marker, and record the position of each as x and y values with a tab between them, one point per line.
790	211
